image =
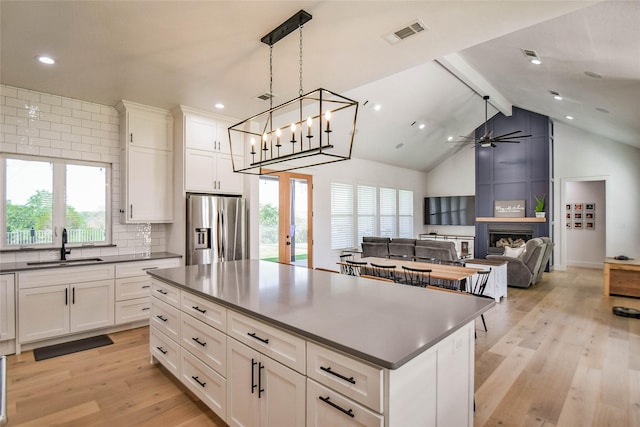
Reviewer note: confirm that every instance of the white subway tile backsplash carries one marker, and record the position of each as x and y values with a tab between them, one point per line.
41	124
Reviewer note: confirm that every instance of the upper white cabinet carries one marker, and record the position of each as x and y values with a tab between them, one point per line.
146	166
208	163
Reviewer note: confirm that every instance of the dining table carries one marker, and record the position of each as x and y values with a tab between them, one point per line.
452	273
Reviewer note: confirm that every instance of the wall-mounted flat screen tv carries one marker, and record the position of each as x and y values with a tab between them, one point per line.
449	210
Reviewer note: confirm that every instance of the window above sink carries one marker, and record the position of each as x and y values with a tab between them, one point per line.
42	196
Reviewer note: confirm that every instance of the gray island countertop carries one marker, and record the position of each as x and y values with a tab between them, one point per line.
387	324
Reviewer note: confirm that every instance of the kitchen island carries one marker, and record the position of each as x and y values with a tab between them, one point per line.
335	349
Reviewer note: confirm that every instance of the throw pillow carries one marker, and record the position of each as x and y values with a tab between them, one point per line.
514	252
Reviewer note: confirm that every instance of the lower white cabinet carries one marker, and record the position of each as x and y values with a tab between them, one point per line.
7	307
51	311
325	407
165	350
261	391
204	382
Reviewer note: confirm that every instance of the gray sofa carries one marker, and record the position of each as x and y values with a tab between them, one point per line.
527	270
383	247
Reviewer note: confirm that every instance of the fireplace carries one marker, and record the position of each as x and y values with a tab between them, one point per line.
508	232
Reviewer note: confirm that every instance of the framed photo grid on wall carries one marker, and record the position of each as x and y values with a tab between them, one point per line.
580	216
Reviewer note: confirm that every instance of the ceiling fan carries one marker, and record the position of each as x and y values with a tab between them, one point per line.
487	140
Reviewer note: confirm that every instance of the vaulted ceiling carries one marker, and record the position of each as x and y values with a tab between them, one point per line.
198	53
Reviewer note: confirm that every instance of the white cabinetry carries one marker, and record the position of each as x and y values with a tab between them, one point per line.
146	165
62	301
7	314
277	393
208	164
133	286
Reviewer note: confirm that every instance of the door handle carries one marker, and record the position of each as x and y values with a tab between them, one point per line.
288	242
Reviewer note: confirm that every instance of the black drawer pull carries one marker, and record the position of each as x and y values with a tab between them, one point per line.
329	371
164	319
162	291
196	339
146	308
253	335
149	268
162	350
196	308
330	403
198	381
146	286
253	378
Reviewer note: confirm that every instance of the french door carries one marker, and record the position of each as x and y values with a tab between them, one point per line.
286	226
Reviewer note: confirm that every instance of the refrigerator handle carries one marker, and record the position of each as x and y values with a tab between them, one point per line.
221	236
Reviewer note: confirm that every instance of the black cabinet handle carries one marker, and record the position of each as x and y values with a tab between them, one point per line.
196	339
146	308
146	286
330	403
342	377
253	335
260	389
196	308
73	295
198	381
253	379
66	296
164	319
149	268
162	350
162	291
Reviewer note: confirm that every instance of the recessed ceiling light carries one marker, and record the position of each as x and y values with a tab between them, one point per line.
569	117
536	61
219	106
421	126
450	138
592	74
46	59
400	145
377	107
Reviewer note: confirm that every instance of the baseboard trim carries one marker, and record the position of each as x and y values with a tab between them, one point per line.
597	265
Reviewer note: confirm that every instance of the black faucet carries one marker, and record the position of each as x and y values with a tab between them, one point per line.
63	251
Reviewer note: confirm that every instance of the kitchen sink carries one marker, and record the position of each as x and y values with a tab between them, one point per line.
65	262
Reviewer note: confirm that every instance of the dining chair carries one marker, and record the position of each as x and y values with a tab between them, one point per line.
479	287
344	269
417	276
355	267
384	271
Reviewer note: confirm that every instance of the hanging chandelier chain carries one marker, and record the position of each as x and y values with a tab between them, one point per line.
300	91
270	76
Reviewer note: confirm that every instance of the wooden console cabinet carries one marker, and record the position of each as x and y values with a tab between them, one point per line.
621	277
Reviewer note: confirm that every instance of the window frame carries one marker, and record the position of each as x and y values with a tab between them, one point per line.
59	190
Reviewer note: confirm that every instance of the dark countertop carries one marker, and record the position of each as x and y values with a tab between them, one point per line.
14	267
384	323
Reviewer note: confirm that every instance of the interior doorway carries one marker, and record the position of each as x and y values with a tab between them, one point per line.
286	226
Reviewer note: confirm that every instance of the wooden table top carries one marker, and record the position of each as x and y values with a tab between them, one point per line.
438	271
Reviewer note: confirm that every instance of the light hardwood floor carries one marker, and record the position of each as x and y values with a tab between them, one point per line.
554	355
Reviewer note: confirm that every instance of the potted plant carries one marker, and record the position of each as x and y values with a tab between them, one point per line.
540	206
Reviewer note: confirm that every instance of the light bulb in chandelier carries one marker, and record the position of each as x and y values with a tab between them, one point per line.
327	117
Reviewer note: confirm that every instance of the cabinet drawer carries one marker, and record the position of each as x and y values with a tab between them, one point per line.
353	378
165	350
65	275
326	408
133	310
206	311
210	387
205	342
165	293
166	318
275	343
140	268
132	287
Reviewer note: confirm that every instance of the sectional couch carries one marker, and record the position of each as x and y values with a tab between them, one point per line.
384	247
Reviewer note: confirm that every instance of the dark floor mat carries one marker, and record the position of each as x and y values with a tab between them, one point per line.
56	350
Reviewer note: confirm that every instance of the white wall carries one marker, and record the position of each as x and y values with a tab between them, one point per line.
39	124
456	176
581	156
356	172
585	247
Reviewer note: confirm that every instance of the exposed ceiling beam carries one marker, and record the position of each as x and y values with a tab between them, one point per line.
469	76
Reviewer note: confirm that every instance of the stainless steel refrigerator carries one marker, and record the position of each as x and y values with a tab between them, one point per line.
216	229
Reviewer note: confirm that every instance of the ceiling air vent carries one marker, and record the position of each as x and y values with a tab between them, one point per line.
414	28
265	96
